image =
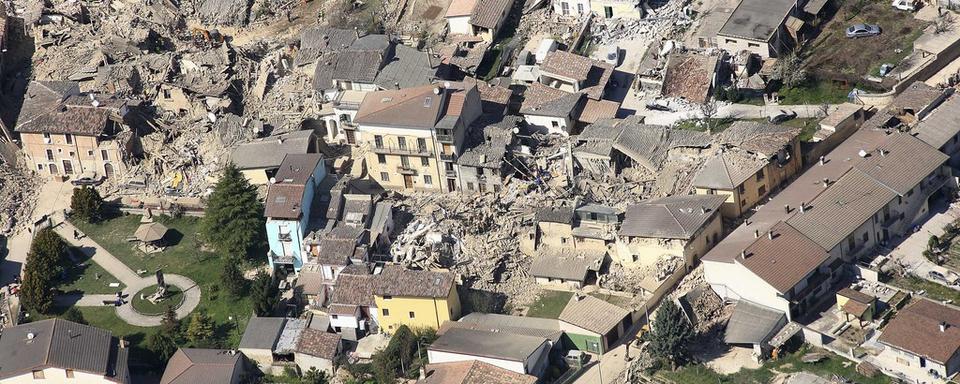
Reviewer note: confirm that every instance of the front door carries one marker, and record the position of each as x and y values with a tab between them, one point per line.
407	181
108	170
67	167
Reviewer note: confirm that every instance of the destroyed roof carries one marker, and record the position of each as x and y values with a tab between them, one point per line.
689	76
357	66
472	372
323	72
262	333
541	100
752	323
354	290
649	145
916	97
941	125
335	251
488	344
566	64
194	365
757	19
728	169
566	264
562	215
592	314
459	8
318	40
297	168
269	152
224	12
407	68
398	281
489	13
786	259
488	145
916	329
601	130
671	217
60	344
317	343
594	110
758	137
284	201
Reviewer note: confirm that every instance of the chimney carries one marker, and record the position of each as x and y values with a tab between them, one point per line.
756	233
703	210
786	208
821	160
882	153
826	182
943	326
770	235
743	254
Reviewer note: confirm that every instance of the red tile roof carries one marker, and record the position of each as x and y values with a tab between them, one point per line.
916	329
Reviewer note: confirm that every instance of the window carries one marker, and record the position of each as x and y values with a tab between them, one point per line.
469	186
425	161
743	203
580	8
387	297
49	155
754	45
104	155
68	137
402	142
405	161
741	189
762	190
712	191
479	171
731	41
46	137
72	154
38	375
386	312
866	237
608	12
39	167
333	317
384	176
565	8
69	373
378	141
563	240
422	144
555	124
90	153
412	315
428	180
760	175
382	159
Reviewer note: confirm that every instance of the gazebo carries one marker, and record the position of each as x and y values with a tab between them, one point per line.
150	233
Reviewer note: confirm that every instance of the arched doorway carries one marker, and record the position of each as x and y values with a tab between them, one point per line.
108	170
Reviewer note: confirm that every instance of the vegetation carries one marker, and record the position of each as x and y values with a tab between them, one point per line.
314	376
200	331
45	263
233	221
162	345
814	92
232	278
83	275
173	299
73	314
670	334
86	204
263	292
550	304
402	357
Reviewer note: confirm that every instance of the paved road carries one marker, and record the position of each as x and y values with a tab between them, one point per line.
607	369
53	197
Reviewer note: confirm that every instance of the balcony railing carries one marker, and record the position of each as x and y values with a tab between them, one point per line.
392	150
406	170
445	138
451	173
278	259
446	157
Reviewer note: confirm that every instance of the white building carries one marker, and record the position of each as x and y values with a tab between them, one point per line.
517	353
60	351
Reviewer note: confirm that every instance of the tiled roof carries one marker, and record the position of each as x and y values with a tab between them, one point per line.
409	107
357	66
916	329
335	251
594	110
398	281
460	8
563	215
649	145
689	76
901	162
317	41
941	125
729	169
318	343
784	260
568	266
758	137
856	295
473	372
541	100
284	201
60	344
87	121
407	68
592	314
190	366
916	97
297	168
489	13
671	217
269	152
566	64
354	290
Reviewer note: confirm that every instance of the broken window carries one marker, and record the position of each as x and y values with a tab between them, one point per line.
90	153
580	8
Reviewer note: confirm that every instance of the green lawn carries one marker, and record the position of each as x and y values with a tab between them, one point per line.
933	290
620	301
809	125
85	276
185	256
174	298
717	124
550	304
817	92
699	374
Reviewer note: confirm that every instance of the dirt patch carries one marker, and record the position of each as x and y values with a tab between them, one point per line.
432	12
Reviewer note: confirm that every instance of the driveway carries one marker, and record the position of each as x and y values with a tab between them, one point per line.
909	252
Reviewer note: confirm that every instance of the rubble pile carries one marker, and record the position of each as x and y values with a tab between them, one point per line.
660	23
18	196
620	278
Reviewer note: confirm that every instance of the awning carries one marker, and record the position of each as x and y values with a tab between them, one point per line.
752	323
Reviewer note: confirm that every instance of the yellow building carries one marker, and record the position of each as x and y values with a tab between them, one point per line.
417	299
858	308
754	160
414	135
685	226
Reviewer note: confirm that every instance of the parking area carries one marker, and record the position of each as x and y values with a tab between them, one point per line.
909	253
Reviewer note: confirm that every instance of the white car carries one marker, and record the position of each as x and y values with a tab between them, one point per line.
905	5
612	56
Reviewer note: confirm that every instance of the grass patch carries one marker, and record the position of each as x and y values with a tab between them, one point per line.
815	92
86	276
550	304
808	127
832	365
933	290
718	123
144	306
184	255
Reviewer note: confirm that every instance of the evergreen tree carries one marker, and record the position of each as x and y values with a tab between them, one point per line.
169	324
233	221
314	376
87	205
263	292
671	334
44	266
232	278
73	314
200	330
163	346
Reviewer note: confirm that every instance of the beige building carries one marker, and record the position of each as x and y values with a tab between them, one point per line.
259	160
60	351
415	135
754	160
684	226
65	133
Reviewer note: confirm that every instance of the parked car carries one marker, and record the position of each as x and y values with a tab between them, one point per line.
656	106
936	275
905	5
782	117
863	30
87	179
613	56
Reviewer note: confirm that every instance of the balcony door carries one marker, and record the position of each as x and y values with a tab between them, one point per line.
408	181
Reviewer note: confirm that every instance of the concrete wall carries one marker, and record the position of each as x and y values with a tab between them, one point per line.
263	358
557	235
84	154
620	9
548	124
305	362
436	357
737	44
733	281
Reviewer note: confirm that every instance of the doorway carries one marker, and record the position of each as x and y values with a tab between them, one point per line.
108	170
408	181
67	167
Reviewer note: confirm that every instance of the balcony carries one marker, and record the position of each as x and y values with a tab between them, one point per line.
931	184
448	157
451	173
278	259
406	170
391	150
445	138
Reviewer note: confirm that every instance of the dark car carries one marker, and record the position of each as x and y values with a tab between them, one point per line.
863	30
783	116
656	106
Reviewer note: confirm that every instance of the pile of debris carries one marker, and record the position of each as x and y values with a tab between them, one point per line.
663	22
18	197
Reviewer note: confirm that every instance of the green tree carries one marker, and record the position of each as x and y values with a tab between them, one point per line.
232	278
200	330
398	357
87	205
73	314
263	292
44	265
671	334
314	376
162	345
933	244
233	221
169	324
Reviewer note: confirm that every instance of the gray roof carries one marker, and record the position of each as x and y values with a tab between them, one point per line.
541	100
262	332
941	125
520	325
728	169
563	215
569	265
489	143
593	314
269	152
357	66
316	41
488	344
752	323
60	344
603	130
375	42
192	366
671	217
297	168
406	68
783	257
323	72
649	145
290	336
756	19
